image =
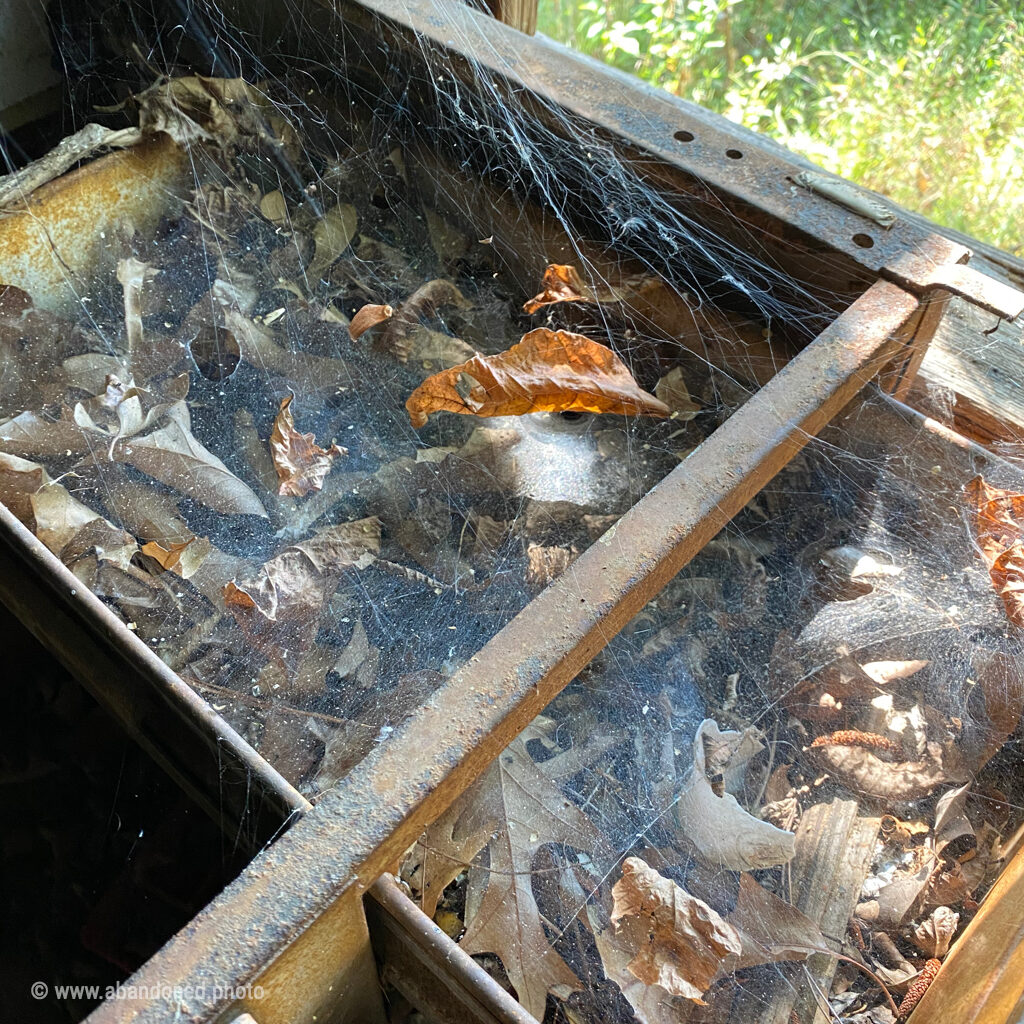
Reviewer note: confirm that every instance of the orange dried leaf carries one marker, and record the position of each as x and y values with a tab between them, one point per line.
1000	527
562	283
301	464
368	316
168	558
548	371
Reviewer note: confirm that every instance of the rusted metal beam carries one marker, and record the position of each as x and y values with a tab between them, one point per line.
695	145
361	827
238	789
445	984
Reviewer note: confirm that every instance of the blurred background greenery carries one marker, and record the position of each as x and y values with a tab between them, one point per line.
923	101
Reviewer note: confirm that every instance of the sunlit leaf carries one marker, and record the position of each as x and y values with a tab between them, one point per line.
548	371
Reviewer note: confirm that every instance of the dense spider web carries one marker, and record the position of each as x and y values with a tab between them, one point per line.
436	168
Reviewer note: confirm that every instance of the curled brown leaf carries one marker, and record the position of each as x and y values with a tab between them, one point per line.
678	942
424	302
562	283
548	371
301	464
1000	529
366	317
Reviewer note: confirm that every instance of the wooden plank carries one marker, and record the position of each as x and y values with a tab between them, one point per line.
979	361
982	978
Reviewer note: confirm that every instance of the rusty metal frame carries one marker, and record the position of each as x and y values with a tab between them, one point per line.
419	960
198	749
294	904
293	922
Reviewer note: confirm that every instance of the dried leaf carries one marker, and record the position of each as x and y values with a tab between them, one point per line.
896	902
771	929
671	390
562	283
278	607
333	234
19	480
133	275
424	302
301	464
58	516
933	935
862	772
366	317
226	112
274	207
173	456
1000	526
71	530
310	373
548	371
884	672
183	558
514	809
678	942
718	827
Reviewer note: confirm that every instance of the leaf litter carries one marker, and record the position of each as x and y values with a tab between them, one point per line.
631	855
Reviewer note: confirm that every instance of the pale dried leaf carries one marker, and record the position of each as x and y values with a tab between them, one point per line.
771	929
173	456
671	390
19	480
934	934
678	942
332	234
722	832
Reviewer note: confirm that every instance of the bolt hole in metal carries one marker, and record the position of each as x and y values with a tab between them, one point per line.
734	154
864	241
683	136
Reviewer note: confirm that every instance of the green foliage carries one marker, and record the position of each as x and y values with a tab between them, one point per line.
923	101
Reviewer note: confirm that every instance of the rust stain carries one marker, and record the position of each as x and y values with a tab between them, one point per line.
68	233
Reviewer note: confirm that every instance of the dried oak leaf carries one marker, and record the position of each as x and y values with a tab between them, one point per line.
278	607
1000	529
678	942
548	371
366	317
301	464
513	810
722	832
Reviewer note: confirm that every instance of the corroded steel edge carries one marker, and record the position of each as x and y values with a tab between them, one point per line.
360	828
433	973
648	119
240	791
